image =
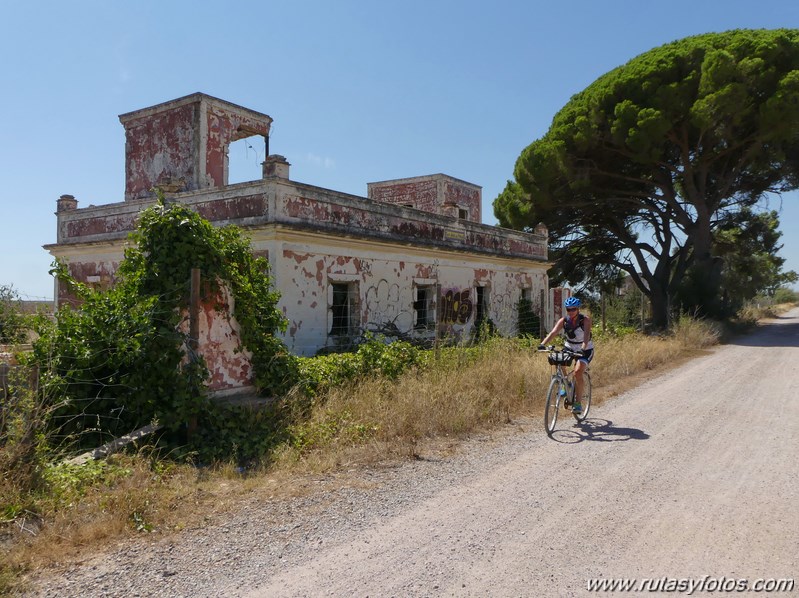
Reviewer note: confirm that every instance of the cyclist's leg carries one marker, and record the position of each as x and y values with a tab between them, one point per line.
579	368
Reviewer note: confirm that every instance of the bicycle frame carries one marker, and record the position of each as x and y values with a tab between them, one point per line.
561	378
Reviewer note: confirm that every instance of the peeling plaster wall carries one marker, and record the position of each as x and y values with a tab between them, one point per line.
438	194
182	145
385	278
225	126
219	344
386	249
161	149
314	236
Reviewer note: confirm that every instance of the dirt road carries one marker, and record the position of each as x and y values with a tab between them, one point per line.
693	475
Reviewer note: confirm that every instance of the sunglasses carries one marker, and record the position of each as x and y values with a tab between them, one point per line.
571	309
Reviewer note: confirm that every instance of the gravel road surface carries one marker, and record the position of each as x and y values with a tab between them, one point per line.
692	475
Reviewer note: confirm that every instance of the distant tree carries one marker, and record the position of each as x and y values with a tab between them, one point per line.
747	244
638	170
786	295
13	323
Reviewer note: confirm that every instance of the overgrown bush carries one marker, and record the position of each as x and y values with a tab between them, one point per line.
374	357
786	295
120	359
622	312
241	434
24	418
13	323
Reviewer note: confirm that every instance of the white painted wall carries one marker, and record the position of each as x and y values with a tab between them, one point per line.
305	264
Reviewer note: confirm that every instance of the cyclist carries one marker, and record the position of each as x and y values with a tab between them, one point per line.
577	330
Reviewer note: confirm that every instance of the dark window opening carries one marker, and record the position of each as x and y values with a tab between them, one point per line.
481	308
423	306
463	214
342	309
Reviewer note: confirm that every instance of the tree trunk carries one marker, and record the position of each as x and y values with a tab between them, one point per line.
659	299
705	276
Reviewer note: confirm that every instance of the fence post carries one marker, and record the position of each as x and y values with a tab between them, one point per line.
542	319
436	347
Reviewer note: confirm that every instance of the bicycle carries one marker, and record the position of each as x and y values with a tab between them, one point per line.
562	387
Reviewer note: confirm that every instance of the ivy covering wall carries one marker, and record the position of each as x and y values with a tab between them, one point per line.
119	360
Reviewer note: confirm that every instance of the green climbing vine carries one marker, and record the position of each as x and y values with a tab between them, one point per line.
119	360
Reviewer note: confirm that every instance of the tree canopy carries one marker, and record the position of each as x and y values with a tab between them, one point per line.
638	170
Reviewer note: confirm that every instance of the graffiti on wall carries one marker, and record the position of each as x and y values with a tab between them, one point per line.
383	302
456	306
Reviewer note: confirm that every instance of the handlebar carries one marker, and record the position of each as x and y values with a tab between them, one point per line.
551	348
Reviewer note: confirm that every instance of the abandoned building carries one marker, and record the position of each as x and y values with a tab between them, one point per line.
412	254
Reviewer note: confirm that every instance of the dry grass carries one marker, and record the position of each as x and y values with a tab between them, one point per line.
368	423
151	499
378	420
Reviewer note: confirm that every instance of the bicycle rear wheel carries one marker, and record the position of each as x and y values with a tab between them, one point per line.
553	404
586	400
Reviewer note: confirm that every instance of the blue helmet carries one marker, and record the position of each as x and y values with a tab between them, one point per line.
572	302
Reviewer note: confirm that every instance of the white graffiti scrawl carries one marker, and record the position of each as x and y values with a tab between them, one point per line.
383	302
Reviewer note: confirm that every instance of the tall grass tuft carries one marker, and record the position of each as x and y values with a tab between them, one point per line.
692	332
377	418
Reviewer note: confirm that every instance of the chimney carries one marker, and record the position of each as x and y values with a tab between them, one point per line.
276	167
66	203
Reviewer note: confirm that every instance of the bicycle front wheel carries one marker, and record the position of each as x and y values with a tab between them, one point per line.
586	400
553	404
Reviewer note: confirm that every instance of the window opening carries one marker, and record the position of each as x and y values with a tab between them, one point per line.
424	308
463	214
482	305
244	160
344	308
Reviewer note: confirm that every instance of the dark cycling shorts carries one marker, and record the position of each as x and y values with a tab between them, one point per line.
588	355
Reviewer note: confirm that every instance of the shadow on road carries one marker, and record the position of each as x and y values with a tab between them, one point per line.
782	331
598	430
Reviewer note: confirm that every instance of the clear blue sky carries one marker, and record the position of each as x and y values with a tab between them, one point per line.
359	91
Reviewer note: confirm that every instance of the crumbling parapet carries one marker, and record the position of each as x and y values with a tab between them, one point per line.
182	145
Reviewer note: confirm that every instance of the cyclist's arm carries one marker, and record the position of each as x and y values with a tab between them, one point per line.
587	331
557	328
